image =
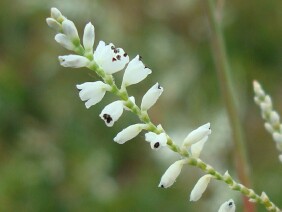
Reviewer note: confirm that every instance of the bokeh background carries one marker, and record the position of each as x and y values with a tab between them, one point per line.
55	155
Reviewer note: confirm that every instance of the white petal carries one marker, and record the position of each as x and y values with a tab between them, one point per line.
135	72
109	58
129	133
92	92
89	37
171	174
196	148
54	24
228	206
64	41
156	140
197	135
151	97
200	187
112	112
74	61
70	29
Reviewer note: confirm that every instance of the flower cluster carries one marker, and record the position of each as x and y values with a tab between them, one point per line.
272	119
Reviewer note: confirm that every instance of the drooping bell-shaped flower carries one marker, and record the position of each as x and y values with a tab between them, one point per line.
112	112
228	206
196	135
74	61
89	37
128	133
197	148
135	72
64	41
70	30
151	97
156	140
171	174
200	187
92	92
109	58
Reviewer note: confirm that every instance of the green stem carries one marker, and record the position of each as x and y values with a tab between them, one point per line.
223	73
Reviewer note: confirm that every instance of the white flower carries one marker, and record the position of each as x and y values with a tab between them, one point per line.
109	58
268	127
89	37
171	174
70	30
74	61
197	135
92	92
228	206
112	112
135	72
200	187
196	148
156	140
129	133
280	158
64	41
258	89
151	96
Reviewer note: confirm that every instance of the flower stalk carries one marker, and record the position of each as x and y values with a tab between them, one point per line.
107	60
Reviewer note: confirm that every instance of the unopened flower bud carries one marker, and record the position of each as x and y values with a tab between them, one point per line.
151	97
70	30
197	135
200	187
89	37
129	133
74	61
64	41
171	174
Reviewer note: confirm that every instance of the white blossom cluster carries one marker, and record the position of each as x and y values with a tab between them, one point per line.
272	119
108	60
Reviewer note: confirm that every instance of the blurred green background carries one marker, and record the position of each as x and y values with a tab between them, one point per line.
55	155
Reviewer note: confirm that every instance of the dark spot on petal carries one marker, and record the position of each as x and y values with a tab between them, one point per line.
113	47
107	118
230	203
125	54
162	186
140	58
116	51
118	57
159	86
156	145
114	59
